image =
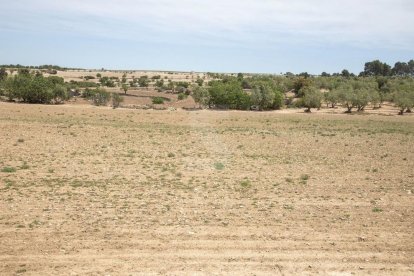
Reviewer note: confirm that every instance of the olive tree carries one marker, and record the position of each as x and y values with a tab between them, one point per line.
201	95
312	98
262	96
125	87
404	98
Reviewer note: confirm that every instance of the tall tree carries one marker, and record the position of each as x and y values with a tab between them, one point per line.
376	68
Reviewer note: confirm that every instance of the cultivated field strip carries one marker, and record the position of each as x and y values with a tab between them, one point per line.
98	191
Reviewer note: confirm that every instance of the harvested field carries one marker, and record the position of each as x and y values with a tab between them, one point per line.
97	191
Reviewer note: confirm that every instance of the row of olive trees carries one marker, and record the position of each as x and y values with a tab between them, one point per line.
264	92
358	94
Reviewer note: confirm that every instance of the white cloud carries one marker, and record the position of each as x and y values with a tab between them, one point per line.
369	23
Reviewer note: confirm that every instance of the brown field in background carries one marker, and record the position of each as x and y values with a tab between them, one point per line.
95	191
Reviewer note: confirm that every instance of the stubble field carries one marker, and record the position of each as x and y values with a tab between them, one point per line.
87	190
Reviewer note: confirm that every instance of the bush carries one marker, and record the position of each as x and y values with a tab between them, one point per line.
60	94
182	96
116	100
100	97
201	95
8	170
88	93
278	100
159	83
228	95
143	81
262	96
157	100
199	81
182	84
35	88
105	81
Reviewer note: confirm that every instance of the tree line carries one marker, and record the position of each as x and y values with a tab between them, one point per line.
269	92
32	87
376	84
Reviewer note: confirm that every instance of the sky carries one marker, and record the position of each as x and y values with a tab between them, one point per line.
258	36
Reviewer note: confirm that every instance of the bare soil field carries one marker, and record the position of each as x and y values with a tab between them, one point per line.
77	75
90	190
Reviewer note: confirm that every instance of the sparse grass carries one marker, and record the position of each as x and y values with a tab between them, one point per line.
219	166
8	170
304	178
376	210
24	166
187	174
245	183
289	180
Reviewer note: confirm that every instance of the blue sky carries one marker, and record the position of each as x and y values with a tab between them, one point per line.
266	36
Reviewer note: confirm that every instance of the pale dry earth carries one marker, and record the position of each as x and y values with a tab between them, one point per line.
99	191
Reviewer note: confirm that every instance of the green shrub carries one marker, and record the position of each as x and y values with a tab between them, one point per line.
60	93
157	100
101	97
182	96
88	93
218	166
8	170
228	94
245	183
116	100
376	210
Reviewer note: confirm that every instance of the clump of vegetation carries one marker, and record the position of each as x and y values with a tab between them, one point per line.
304	178
116	100
107	81
125	87
404	97
157	100
100	97
182	96
376	210
34	88
311	98
289	180
25	166
8	170
219	166
245	183
143	81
